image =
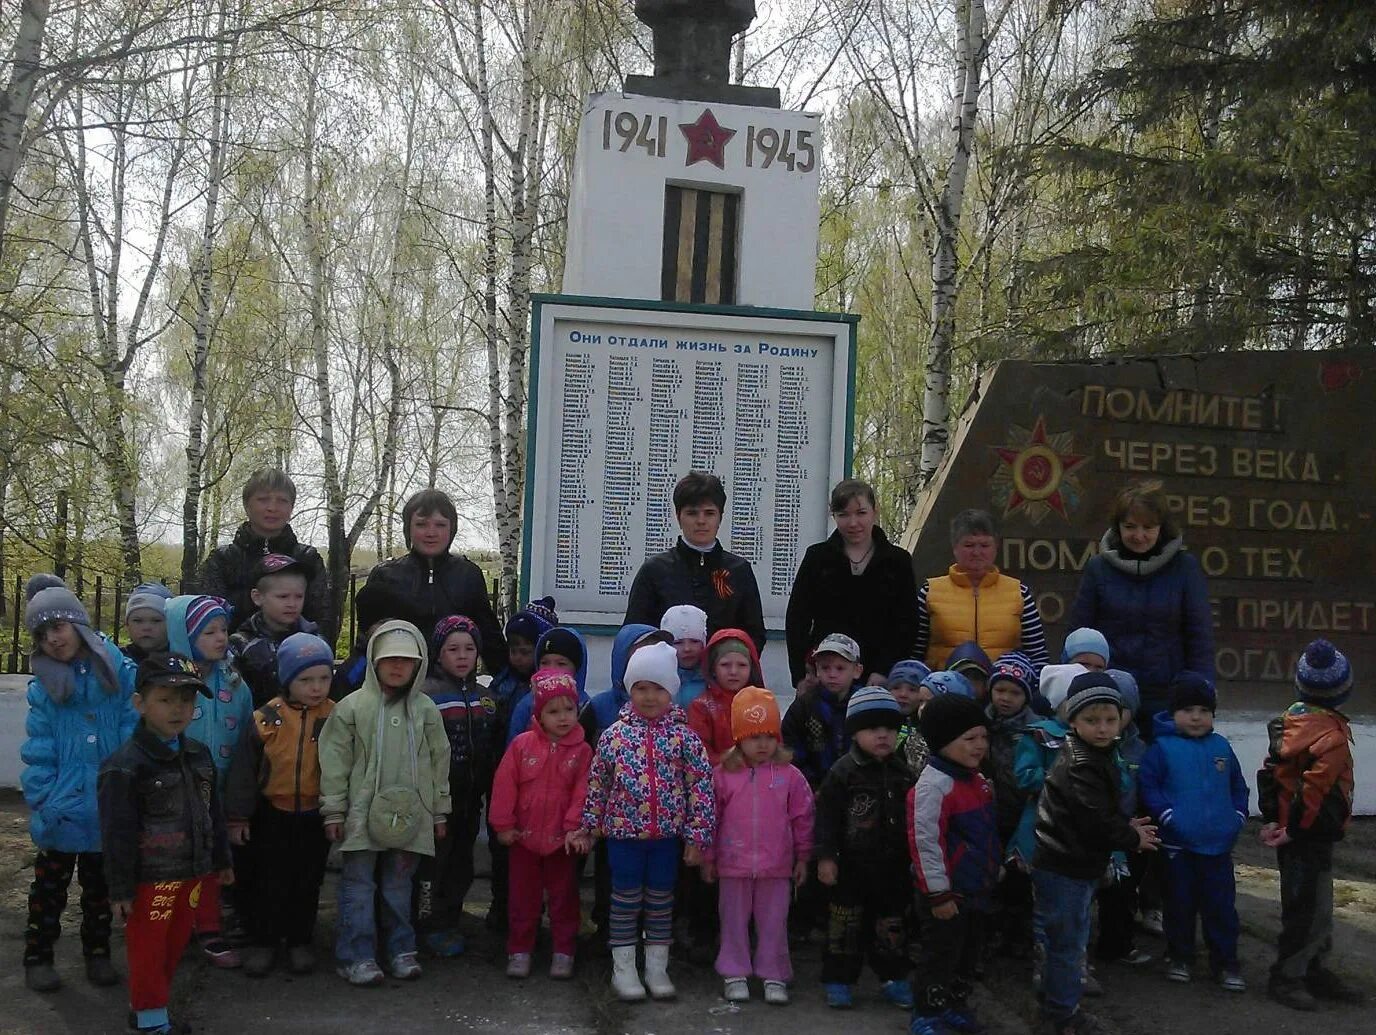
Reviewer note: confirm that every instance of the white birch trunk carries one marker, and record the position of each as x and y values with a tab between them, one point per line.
18	95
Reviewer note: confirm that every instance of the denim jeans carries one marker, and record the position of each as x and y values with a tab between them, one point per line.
356	938
1062	933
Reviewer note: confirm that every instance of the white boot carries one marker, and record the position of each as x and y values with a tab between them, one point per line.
656	972
625	981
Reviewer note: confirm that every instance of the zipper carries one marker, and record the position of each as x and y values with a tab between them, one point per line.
300	749
430	576
975	589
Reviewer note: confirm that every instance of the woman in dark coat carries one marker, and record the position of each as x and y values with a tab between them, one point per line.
854	582
1148	596
434	582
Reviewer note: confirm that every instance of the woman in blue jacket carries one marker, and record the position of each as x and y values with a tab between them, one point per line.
1148	596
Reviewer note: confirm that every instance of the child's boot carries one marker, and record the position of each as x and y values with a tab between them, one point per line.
657	972
41	977
625	981
101	972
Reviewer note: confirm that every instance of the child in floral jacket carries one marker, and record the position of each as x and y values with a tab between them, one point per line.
650	786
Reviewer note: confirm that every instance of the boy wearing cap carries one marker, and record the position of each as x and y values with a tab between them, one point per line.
971	662
1305	794
954	845
279	591
1191	784
274	788
862	853
687	624
145	620
161	821
1079	823
79	713
384	793
814	726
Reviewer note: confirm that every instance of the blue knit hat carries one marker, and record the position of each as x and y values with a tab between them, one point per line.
949	683
1323	675
1085	641
1127	689
909	670
298	652
872	707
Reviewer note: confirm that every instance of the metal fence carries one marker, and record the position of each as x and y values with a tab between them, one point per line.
105	605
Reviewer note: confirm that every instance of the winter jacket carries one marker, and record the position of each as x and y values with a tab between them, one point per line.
764	820
814	728
877	608
65	743
508	688
219	721
476	738
1193	787
720	583
413	752
650	780
435	587
1033	756
1131	750
524	709
226	572
999	614
540	789
279	761
1010	800
604	708
862	813
1306	782
160	815
253	651
1153	609
1079	821
710	714
691	685
952	838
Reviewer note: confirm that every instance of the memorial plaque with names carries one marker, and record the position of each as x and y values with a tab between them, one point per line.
627	397
1267	460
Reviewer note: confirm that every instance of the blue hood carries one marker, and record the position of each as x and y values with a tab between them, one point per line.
621	653
1162	725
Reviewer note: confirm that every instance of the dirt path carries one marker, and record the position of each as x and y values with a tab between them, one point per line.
470	994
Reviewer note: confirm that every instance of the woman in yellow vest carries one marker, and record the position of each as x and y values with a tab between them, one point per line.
974	602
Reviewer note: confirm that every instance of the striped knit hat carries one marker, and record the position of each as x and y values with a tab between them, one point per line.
872	707
1323	675
1015	668
1091	688
200	613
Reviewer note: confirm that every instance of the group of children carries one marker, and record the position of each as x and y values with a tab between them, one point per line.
988	802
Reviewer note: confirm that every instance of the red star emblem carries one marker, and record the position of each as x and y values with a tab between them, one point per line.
707	139
1037	471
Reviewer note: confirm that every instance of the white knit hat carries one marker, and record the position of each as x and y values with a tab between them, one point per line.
1055	681
685	622
653	663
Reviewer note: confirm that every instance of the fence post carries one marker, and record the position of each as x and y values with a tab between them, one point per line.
353	610
99	591
60	536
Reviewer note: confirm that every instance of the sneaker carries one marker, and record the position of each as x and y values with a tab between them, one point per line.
258	961
1089	984
404	966
445	944
924	1025
961	1019
101	972
41	977
1133	958
361	973
300	959
219	952
172	1026
561	966
1178	971
1292	993
1322	983
518	965
736	990
1152	922
900	993
1231	980
839	996
776	993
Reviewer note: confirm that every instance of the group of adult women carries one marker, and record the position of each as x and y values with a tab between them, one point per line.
1143	590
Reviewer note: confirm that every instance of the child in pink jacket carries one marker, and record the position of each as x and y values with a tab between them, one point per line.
537	808
763	842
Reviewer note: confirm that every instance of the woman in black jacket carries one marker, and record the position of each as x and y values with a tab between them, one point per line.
855	582
434	582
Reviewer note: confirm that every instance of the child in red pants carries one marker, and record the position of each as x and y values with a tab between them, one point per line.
163	832
537	806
